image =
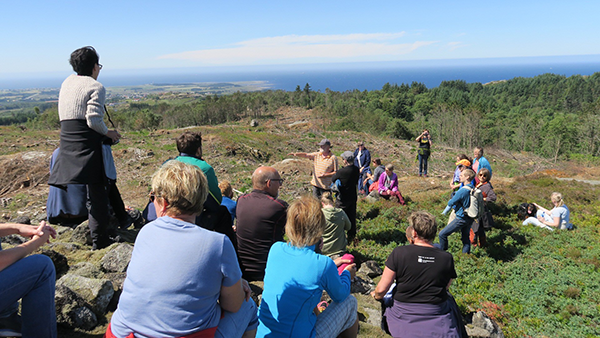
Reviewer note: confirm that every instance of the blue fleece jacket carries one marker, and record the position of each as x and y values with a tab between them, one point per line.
461	201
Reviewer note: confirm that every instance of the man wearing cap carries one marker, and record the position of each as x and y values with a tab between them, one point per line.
325	165
348	176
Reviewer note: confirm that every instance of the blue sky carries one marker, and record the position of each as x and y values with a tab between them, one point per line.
38	36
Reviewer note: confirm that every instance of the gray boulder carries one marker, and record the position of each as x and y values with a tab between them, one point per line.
95	292
371	269
61	264
86	269
362	284
484	326
72	310
117	259
81	234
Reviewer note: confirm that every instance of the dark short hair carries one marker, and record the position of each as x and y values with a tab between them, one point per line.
83	60
189	142
377	161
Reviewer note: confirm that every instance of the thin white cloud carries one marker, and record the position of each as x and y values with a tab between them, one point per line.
455	45
294	48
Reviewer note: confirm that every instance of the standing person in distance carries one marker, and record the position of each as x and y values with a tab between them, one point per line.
460	202
424	151
362	160
82	131
325	165
480	162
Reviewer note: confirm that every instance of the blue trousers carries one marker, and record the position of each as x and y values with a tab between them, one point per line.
32	280
423	164
458	224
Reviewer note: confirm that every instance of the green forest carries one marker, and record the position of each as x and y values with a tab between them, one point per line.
550	115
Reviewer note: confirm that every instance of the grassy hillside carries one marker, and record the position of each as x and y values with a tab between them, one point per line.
532	281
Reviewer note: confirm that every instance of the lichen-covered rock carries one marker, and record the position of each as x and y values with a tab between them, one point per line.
61	246
72	310
117	259
117	278
60	230
86	269
95	292
22	220
81	234
484	326
362	284
61	264
13	239
371	269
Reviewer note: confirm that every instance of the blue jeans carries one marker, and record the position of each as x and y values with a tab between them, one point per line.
423	164
458	224
32	280
234	324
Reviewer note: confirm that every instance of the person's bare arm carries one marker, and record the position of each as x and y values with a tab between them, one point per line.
232	297
39	236
387	278
303	155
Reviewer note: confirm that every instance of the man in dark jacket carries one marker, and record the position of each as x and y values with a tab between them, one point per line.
348	176
362	160
261	218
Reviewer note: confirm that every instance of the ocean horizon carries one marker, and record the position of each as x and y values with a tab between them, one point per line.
336	77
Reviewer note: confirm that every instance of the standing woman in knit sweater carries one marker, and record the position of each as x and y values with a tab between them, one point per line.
82	131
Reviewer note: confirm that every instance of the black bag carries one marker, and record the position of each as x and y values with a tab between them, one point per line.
487	221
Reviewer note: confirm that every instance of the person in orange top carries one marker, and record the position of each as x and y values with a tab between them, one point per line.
325	165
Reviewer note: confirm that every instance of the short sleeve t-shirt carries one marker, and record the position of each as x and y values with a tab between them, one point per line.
564	216
174	280
422	273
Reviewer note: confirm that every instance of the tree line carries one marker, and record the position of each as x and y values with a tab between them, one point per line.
550	115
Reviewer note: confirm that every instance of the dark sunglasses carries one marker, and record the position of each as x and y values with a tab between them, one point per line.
279	180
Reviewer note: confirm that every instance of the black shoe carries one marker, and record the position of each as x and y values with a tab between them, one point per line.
124	224
103	242
10	326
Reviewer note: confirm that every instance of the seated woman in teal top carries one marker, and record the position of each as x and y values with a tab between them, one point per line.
295	278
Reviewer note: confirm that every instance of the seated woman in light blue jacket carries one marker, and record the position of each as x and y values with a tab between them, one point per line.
295	278
559	217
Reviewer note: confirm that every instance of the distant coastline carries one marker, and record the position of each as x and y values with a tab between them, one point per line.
337	77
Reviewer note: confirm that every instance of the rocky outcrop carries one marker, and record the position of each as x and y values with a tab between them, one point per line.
117	259
72	310
97	293
483	326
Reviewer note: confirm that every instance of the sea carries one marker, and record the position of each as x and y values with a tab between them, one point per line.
336	77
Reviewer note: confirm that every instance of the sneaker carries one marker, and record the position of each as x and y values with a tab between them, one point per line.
10	326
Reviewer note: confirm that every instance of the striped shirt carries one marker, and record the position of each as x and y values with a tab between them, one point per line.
323	165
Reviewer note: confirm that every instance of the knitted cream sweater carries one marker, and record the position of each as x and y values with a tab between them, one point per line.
82	98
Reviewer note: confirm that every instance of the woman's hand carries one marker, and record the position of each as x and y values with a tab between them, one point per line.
113	135
41	231
339	261
352	269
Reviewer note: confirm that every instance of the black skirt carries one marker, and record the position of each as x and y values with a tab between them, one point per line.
80	158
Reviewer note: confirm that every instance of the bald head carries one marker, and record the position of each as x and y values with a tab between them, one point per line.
266	179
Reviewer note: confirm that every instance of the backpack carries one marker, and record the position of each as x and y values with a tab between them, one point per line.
476	207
